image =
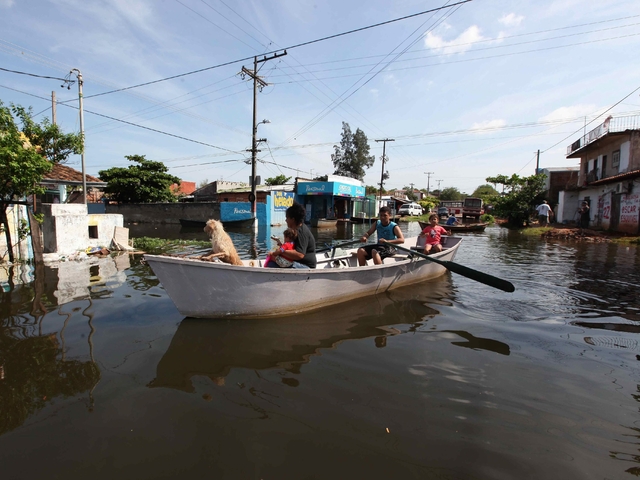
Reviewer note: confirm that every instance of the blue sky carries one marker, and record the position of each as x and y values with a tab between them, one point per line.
466	92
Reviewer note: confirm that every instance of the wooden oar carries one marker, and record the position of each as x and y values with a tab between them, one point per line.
340	245
481	277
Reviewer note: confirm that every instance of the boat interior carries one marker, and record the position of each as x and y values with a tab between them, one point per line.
347	258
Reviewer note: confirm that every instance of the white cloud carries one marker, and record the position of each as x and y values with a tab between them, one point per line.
565	113
458	45
488	125
511	20
7	3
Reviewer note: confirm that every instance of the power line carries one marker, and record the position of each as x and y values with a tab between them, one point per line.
422	57
329	37
470	59
32	74
595	118
506	37
128	123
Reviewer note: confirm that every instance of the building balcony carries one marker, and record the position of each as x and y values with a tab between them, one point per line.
610	125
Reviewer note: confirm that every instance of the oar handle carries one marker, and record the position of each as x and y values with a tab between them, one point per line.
333	247
476	275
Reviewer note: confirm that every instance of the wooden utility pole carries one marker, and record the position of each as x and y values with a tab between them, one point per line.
384	146
258	83
428	174
538	162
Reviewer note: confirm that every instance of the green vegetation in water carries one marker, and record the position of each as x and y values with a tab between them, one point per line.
631	240
535	231
163	245
487	218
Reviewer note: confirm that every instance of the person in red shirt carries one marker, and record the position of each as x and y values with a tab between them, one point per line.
433	232
290	236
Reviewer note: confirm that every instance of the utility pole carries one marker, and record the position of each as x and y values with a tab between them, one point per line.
538	162
80	83
384	146
53	107
428	174
257	83
439	182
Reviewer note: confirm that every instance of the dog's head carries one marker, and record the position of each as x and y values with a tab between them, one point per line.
212	227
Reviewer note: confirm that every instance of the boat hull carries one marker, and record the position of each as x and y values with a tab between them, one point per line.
211	290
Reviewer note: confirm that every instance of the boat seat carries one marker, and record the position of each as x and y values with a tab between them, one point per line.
422	241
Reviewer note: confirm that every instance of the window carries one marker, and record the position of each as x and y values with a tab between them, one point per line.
615	159
93	231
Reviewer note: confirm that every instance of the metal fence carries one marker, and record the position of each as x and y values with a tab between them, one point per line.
610	125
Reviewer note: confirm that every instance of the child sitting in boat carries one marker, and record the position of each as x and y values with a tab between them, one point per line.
452	220
433	232
290	236
388	234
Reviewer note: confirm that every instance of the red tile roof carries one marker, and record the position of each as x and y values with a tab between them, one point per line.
185	188
62	172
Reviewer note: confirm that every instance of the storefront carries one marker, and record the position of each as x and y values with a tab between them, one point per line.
330	200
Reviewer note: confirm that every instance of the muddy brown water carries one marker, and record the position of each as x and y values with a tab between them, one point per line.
101	377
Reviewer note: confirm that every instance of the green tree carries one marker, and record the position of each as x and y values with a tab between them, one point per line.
22	167
411	195
278	180
146	182
519	198
50	141
487	193
351	157
451	193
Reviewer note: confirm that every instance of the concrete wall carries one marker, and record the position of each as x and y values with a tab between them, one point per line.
21	250
67	228
164	213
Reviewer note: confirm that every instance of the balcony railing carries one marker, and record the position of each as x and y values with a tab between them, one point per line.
610	125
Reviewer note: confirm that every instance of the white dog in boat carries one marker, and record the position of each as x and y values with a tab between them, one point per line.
221	243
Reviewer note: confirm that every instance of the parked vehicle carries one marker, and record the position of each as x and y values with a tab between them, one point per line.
454	206
410	209
443	212
472	207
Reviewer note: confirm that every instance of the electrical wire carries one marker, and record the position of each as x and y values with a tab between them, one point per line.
128	123
32	74
310	42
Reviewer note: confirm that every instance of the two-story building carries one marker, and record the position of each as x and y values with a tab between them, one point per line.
609	178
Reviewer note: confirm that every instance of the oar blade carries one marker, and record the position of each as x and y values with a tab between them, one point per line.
478	276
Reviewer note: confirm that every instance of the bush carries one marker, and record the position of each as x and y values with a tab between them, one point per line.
487	218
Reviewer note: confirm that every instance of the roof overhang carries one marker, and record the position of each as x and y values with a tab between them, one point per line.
71	182
616	178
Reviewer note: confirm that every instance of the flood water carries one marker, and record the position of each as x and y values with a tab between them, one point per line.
101	377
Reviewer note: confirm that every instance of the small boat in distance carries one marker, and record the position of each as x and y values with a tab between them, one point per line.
205	289
462	228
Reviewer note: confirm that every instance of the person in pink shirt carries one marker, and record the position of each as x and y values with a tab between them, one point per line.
433	232
290	236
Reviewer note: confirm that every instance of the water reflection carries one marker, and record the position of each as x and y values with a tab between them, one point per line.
479	343
213	348
34	366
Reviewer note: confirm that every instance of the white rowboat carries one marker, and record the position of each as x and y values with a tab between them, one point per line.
204	289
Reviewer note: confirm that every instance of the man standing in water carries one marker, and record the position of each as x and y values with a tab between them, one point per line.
388	234
584	215
544	210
